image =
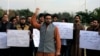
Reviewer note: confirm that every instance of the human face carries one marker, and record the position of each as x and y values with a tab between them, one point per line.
17	17
77	19
55	19
48	19
5	18
63	20
95	23
14	21
42	19
22	21
91	24
29	19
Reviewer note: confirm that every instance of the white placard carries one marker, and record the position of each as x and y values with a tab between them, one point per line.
18	38
65	30
36	37
3	40
89	40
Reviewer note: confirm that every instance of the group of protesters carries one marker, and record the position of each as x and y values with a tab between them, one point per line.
51	43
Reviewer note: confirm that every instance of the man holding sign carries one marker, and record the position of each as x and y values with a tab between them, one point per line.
95	27
4	25
23	39
50	43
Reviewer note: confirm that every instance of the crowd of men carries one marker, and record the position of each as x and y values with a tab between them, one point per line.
50	42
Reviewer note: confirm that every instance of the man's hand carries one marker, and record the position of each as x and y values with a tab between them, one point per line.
37	10
57	53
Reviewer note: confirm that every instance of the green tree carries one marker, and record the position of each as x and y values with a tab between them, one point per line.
24	12
86	17
96	13
1	12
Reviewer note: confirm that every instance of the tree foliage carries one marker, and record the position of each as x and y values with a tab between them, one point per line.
86	16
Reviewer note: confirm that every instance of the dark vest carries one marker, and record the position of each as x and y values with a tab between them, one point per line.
4	26
47	41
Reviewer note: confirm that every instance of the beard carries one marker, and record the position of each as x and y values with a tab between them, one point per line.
22	23
95	26
76	21
48	22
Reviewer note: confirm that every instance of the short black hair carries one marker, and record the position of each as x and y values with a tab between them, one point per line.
11	19
96	20
66	20
4	15
92	18
78	16
47	14
28	17
41	15
17	15
55	15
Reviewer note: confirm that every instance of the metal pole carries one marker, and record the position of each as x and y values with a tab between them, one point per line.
85	53
35	3
8	7
85	4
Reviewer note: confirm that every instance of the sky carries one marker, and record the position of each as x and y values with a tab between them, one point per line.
51	6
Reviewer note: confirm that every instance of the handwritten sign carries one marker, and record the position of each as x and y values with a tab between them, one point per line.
89	40
18	38
36	37
3	40
65	30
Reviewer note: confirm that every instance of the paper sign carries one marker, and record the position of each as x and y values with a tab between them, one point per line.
89	40
3	40
36	37
65	30
18	38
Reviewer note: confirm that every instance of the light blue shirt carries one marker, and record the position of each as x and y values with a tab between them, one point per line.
63	42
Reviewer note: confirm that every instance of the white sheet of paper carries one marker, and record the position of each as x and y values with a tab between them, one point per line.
89	40
3	40
36	37
18	38
65	30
